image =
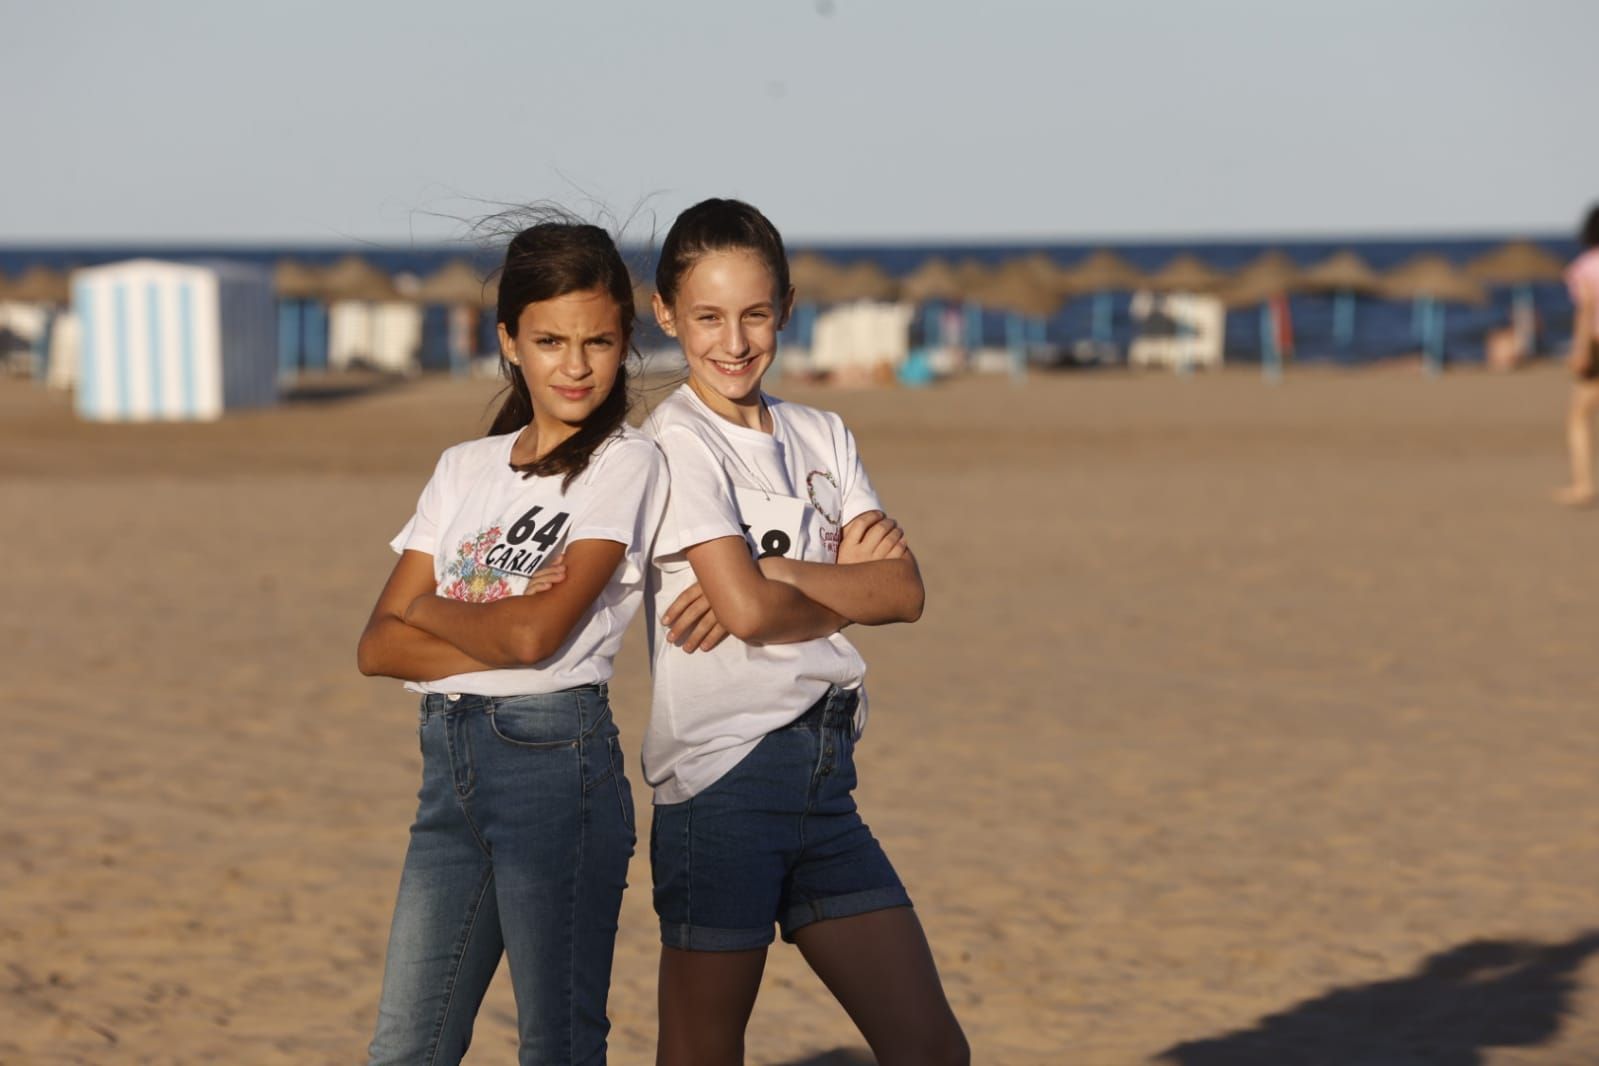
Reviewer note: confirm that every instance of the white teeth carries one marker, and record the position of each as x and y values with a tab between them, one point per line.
732	368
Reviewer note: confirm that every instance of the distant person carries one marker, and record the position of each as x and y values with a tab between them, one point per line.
1582	279
773	534
517	576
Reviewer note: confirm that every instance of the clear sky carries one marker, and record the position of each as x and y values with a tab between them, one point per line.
326	120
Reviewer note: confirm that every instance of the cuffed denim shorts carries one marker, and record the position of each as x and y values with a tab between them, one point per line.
777	840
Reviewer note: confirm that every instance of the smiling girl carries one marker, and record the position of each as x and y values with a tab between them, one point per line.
772	536
517	576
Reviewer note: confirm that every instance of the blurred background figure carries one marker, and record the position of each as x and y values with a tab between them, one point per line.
1582	278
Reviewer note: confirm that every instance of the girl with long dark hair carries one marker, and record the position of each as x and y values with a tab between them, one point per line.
517	575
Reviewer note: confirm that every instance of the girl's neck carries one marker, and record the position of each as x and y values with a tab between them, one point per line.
749	412
538	439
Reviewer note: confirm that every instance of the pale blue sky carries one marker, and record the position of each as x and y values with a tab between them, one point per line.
897	119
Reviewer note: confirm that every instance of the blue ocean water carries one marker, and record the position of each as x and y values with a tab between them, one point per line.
1382	328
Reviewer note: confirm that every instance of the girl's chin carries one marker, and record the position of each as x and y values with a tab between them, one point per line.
735	387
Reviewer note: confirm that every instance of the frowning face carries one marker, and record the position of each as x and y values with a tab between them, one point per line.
568	350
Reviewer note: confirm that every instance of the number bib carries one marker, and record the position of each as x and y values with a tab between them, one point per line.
773	525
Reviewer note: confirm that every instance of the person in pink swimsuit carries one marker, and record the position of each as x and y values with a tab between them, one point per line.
1582	279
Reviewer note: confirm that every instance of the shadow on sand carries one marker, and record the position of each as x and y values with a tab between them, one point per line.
337	386
1483	994
837	1057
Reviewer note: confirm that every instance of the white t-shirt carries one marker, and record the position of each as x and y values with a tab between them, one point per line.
790	492
488	529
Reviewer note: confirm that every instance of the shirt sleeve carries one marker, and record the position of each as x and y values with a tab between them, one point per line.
421	533
625	502
699	504
859	496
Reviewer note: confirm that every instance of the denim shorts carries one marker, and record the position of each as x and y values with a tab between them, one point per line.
775	840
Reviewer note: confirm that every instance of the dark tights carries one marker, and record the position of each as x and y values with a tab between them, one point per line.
877	965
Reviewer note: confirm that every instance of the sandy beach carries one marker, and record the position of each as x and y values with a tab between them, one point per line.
1245	726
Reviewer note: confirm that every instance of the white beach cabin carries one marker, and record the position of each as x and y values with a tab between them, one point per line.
174	341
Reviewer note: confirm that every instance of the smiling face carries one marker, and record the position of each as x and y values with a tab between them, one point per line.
726	316
568	351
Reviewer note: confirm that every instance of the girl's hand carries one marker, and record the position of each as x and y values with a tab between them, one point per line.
546	578
870	537
690	622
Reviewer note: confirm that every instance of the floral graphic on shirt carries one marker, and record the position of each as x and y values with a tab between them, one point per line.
821	487
467	577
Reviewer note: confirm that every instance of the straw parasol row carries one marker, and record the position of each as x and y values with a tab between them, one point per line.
37	285
1035	285
456	284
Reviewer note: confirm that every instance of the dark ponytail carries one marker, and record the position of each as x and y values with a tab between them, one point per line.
719	226
545	261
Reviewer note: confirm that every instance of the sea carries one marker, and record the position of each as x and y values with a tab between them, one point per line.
1382	329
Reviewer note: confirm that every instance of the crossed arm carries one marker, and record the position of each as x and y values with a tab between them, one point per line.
416	635
783	601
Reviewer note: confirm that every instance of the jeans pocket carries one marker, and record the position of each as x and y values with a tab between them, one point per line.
542	724
624	791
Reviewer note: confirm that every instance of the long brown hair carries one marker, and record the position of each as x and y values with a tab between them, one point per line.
542	262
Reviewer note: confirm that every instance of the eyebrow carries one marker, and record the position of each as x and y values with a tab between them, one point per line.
763	305
603	335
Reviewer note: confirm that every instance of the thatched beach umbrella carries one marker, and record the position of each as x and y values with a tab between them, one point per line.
1268	276
1347	276
934	279
302	317
457	284
1101	273
1022	289
932	283
1519	265
971	275
1516	263
1267	280
464	292
644	300
814	278
864	280
1432	277
41	285
1432	282
1186	273
353	278
294	280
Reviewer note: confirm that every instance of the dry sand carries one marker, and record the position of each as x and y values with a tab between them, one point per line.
1250	725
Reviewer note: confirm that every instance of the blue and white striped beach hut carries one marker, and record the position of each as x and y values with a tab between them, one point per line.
174	341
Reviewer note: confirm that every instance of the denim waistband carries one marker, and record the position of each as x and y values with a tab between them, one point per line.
459	702
835	708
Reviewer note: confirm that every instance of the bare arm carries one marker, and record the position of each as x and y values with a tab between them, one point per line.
522	630
391	648
875	581
751	606
1582	332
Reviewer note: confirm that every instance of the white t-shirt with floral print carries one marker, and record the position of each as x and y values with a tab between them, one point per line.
488	528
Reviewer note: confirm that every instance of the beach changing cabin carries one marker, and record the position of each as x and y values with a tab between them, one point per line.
174	341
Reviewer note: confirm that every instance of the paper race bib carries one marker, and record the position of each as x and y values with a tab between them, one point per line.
772	524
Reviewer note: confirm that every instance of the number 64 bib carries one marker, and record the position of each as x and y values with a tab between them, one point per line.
772	524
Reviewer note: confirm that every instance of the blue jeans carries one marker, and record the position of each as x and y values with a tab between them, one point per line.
523	832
